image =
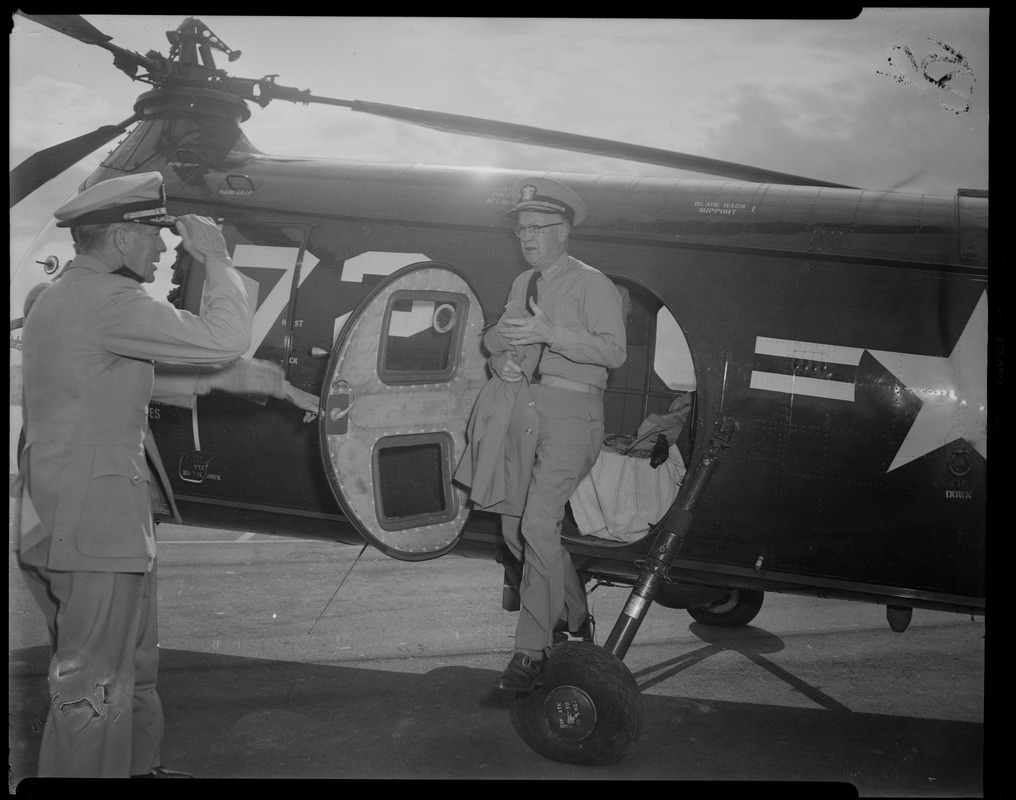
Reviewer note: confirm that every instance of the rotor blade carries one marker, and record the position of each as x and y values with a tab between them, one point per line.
79	28
45	165
72	25
526	134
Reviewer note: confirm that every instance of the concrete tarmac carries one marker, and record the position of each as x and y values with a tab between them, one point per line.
265	675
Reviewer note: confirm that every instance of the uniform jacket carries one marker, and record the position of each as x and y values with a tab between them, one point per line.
501	438
585	304
498	460
90	345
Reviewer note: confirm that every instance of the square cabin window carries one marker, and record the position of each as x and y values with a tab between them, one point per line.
412	480
422	337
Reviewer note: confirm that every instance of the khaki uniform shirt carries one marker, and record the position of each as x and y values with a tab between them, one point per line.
586	306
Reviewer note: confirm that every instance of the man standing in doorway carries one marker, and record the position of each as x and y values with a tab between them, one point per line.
573	313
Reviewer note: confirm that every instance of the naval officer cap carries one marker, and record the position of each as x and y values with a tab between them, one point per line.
547	197
132	198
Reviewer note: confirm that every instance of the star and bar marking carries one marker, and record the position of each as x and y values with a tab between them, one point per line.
952	389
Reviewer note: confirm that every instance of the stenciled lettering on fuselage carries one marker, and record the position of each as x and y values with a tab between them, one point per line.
722	208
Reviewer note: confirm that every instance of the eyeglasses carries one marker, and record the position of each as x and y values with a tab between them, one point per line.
533	230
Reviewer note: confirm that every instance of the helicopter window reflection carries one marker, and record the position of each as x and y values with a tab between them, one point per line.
422	337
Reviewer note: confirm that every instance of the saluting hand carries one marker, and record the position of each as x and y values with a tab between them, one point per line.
202	239
536	329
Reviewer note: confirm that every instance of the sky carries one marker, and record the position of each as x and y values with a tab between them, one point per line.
895	99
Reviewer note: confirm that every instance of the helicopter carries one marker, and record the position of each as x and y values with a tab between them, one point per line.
828	449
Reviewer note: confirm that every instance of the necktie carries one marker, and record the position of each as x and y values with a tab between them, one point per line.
532	294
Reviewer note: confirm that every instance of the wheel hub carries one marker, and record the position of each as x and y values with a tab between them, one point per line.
570	713
724	604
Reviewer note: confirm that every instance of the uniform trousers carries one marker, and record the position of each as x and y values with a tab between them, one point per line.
568	442
105	717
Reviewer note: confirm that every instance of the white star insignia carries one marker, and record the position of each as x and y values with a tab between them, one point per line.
953	391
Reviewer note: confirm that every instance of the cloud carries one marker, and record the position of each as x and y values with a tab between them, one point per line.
873	134
60	110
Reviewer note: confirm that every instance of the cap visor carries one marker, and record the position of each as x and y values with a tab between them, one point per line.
542	208
166	221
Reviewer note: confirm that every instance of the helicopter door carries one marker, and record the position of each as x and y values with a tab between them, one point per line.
401	382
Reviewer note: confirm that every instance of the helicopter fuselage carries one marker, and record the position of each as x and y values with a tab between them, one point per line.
841	329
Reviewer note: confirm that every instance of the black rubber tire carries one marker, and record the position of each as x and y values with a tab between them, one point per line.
738	608
588	710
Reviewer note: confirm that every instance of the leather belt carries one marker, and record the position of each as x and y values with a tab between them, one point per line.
564	383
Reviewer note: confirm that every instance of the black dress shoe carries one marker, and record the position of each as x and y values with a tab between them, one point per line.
162	772
523	674
584	632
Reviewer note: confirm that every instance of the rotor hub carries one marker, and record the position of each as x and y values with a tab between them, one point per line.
222	105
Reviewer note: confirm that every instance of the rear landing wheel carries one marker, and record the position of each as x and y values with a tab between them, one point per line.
588	710
731	611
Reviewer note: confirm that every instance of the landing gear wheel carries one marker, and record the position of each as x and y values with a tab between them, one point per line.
736	609
588	710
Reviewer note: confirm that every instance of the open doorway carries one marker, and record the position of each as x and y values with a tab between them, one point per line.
653	392
657	371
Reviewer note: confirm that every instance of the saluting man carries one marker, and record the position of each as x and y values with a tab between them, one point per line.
573	314
86	540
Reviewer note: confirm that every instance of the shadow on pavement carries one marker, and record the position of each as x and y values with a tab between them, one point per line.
231	717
